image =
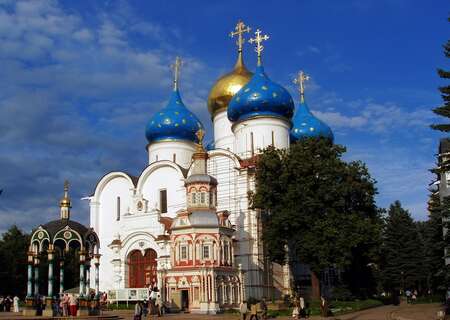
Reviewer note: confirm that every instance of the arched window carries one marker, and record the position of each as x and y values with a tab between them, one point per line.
202	197
141	268
118	209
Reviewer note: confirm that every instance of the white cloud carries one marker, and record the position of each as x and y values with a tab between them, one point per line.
339	120
74	94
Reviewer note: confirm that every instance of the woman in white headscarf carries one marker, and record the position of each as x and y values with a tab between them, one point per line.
16	304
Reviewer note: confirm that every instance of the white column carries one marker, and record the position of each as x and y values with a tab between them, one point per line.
30	279
202	283
232	253
221	253
36	275
213	287
61	276
97	274
231	292
223	293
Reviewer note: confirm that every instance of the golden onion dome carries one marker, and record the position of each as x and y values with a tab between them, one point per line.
227	86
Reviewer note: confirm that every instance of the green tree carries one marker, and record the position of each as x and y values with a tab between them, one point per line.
317	206
13	266
402	251
434	245
444	110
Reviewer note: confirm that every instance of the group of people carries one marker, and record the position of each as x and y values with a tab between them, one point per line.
7	302
255	309
67	305
300	309
411	296
153	306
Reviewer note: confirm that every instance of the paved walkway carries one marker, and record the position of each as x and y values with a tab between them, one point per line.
403	312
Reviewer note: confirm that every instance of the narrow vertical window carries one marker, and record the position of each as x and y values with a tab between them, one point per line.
205	252
193	198
156	157
175	157
202	197
184	254
273	139
163	200
118	209
252	147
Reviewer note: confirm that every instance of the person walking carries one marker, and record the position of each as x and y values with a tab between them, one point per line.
8	302
73	305
253	311
16	304
64	305
145	308
138	311
263	307
295	309
323	306
302	308
243	310
159	305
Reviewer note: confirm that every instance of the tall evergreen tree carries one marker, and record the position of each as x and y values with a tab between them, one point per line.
402	251
434	245
13	266
317	206
444	110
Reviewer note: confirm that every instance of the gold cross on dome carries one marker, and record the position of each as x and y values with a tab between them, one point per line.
200	135
300	81
258	39
66	187
240	29
176	72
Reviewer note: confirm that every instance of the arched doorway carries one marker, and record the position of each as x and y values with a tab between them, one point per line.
141	268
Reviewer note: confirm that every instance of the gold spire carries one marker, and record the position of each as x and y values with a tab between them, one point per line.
200	135
64	203
300	81
176	72
258	39
227	85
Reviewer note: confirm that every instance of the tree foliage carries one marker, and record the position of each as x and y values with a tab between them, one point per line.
402	251
434	244
318	206
444	110
13	266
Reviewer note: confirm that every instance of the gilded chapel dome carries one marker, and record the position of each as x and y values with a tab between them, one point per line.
227	86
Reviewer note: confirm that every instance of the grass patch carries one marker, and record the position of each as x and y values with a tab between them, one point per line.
336	307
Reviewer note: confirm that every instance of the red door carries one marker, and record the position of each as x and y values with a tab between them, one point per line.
141	268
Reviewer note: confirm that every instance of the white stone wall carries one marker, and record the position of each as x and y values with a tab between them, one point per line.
264	131
165	150
135	226
223	136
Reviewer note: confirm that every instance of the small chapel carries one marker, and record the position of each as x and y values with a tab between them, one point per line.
185	225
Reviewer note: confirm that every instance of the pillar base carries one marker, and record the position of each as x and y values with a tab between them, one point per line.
28	309
48	311
83	309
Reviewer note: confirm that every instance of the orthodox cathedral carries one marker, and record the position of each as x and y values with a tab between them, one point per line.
184	224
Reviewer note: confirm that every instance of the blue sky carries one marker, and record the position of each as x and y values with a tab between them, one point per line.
80	79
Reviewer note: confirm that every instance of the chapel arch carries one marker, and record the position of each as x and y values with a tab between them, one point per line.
141	267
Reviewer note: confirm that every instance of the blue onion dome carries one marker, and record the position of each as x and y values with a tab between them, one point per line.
210	145
175	121
260	97
306	125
